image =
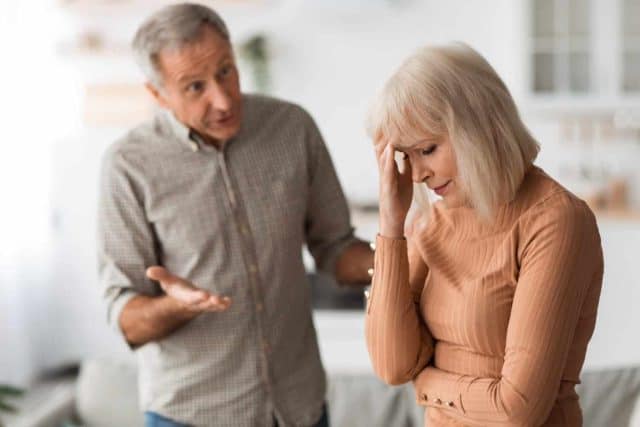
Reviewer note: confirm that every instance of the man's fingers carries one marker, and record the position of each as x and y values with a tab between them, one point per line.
159	273
177	287
215	303
166	278
185	292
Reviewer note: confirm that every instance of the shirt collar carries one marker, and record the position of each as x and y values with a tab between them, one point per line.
183	134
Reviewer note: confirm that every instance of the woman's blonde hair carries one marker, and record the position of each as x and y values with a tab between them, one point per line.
452	91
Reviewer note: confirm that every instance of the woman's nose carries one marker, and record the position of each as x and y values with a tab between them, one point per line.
419	173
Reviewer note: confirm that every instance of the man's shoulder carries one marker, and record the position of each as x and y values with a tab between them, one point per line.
260	107
139	141
144	135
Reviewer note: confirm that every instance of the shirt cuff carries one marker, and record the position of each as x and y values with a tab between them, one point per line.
439	389
329	263
115	309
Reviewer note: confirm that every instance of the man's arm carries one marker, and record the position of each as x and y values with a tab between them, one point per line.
328	228
144	318
355	263
138	308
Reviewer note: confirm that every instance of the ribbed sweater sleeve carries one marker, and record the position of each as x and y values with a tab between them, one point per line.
397	339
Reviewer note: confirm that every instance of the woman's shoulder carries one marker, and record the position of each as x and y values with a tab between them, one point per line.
544	201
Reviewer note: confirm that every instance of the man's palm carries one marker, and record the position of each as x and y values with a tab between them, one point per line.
186	292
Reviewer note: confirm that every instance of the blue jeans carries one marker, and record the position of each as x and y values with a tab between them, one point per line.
152	419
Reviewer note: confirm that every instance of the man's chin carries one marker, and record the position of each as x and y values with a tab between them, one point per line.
222	134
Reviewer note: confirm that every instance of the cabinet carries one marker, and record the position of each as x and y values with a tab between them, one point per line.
584	48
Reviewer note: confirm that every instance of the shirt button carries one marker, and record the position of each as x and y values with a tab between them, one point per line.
450	404
253	268
259	307
372	246
244	230
370	272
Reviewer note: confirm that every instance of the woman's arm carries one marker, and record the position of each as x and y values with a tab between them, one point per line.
397	338
560	273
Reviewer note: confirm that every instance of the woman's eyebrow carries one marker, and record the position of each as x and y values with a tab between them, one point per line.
420	142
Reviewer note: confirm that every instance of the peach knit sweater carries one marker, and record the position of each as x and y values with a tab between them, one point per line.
490	321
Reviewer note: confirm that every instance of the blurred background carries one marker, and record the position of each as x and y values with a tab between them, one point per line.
69	87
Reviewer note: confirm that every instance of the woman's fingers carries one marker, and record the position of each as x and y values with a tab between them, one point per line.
379	149
389	170
405	171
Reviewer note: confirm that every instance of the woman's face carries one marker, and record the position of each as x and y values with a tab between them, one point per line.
433	162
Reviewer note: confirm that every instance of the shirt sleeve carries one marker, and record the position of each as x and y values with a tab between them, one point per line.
560	268
328	224
126	243
399	344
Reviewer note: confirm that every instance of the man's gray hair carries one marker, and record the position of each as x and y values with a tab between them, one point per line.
171	28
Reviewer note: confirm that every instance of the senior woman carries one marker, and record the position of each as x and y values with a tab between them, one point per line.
487	298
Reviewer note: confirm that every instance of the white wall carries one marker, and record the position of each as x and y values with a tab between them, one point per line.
334	60
331	60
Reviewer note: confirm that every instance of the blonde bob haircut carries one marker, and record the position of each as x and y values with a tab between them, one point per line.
452	91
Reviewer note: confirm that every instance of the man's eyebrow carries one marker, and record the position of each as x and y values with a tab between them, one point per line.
187	77
225	57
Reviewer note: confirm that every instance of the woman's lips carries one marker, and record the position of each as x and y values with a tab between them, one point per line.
440	191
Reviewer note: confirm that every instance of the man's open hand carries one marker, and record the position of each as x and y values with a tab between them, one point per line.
192	297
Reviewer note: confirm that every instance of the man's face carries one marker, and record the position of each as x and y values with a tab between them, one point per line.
200	85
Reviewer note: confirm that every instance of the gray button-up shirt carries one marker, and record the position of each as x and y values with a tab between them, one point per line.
232	221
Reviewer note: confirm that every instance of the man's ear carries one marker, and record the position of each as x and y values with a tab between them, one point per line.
157	94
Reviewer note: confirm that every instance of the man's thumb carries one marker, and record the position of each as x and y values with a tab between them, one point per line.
159	273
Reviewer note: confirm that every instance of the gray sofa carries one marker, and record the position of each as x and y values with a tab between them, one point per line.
106	396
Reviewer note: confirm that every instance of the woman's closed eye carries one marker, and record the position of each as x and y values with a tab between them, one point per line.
429	150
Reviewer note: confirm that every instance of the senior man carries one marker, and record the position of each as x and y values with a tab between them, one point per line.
203	214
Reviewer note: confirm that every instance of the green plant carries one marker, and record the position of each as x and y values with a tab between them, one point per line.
256	52
8	392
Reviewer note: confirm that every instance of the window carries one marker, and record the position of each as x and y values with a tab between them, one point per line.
561	46
630	45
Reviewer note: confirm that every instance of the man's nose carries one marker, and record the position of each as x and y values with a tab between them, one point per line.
219	98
